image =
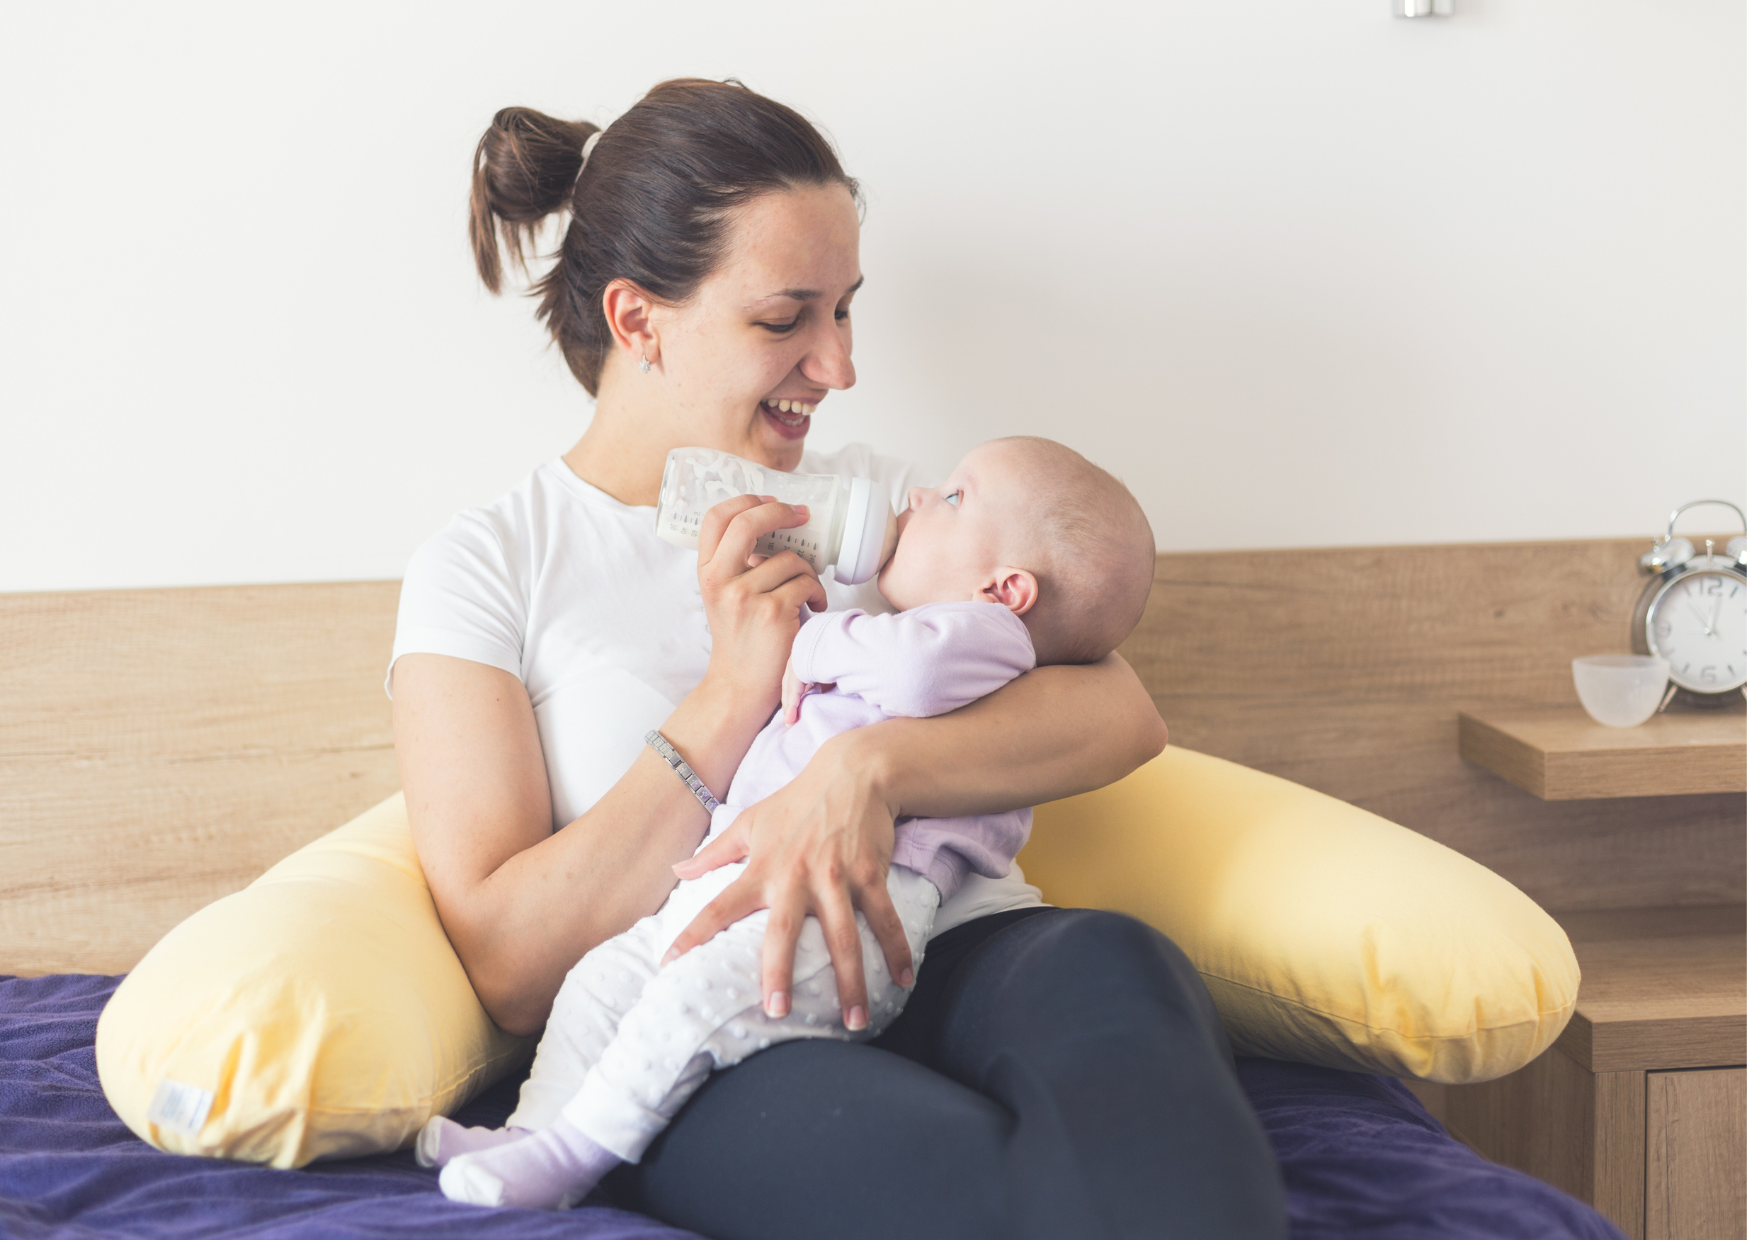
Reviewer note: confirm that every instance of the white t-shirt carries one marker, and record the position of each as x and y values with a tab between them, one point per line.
569	590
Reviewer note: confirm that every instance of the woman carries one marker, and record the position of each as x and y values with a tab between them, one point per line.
1057	1073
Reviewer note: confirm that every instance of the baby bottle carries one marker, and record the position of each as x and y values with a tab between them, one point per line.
850	527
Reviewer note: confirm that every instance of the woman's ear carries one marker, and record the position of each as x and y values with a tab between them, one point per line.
628	312
1014	588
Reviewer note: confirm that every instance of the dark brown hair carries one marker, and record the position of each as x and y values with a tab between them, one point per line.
652	207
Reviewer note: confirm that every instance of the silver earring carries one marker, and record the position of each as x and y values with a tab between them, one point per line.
643	365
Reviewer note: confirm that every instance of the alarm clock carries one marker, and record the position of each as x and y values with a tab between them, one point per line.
1694	612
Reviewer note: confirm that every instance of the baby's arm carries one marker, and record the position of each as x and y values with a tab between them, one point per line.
926	661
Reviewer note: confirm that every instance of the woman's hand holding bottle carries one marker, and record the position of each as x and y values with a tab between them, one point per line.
753	604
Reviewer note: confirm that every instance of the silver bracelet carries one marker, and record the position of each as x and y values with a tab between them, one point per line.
656	741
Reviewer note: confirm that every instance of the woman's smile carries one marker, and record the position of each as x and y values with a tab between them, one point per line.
789	418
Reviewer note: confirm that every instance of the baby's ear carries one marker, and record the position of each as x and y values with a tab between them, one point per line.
1014	588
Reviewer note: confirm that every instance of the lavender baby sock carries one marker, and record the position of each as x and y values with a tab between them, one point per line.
444	1139
551	1170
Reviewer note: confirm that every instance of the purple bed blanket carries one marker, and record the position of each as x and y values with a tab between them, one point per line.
1359	1155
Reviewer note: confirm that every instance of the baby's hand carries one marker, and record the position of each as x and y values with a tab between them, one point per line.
794	689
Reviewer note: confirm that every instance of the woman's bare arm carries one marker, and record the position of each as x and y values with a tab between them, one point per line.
521	903
1052	733
821	844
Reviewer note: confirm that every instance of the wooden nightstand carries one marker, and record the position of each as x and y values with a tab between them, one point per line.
1638	1108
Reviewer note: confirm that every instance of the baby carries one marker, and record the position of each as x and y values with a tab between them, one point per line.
1029	555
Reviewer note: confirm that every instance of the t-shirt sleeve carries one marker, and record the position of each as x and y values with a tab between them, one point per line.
466	595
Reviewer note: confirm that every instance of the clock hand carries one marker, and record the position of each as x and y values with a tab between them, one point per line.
1711	629
1697	613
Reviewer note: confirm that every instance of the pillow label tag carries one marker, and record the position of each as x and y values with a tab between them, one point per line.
178	1107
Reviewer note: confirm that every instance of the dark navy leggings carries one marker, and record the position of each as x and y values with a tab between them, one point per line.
1058	1073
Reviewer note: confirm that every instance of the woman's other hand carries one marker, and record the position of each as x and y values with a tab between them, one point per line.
753	603
819	846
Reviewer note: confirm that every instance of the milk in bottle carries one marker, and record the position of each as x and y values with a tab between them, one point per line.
850	528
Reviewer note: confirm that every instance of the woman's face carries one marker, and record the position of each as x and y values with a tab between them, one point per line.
767	336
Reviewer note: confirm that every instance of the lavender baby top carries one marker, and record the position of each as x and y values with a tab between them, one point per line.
926	661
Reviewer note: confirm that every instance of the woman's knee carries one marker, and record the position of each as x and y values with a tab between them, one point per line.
815	1138
1110	963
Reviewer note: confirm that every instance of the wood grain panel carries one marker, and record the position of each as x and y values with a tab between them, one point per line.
138	725
161	748
1662	988
1695	1148
1345	670
1582	1132
1617	1182
1562	755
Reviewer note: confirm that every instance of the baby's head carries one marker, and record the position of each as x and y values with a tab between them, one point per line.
1038	528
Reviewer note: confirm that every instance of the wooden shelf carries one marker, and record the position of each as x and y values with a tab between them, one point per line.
1663	988
1561	754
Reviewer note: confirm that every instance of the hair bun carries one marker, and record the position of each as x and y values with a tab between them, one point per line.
524	169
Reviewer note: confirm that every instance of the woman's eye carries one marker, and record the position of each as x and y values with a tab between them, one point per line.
780	328
952	497
841	315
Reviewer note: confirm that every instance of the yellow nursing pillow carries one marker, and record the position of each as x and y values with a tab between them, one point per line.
321	1012
1325	934
318	1013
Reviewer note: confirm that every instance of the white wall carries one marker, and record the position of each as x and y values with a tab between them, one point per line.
1302	273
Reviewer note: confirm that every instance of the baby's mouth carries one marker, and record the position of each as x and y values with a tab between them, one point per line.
791	413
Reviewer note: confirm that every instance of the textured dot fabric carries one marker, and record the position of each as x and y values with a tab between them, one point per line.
628	1041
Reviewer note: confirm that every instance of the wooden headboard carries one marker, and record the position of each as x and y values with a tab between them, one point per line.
161	748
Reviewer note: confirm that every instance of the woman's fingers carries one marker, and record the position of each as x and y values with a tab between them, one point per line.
777	967
775	571
843	940
798	592
731	846
716	522
739	899
737	538
888	930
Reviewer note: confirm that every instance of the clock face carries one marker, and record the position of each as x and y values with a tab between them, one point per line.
1700	624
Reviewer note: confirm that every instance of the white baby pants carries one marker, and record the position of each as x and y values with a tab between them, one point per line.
627	1042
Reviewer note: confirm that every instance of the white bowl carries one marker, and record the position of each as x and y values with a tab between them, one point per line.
1621	690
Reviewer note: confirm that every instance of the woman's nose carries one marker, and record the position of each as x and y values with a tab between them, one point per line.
828	364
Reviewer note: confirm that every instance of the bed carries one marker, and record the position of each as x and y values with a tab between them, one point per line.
159	749
1361	1159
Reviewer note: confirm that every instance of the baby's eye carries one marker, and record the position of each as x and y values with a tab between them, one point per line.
952	497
